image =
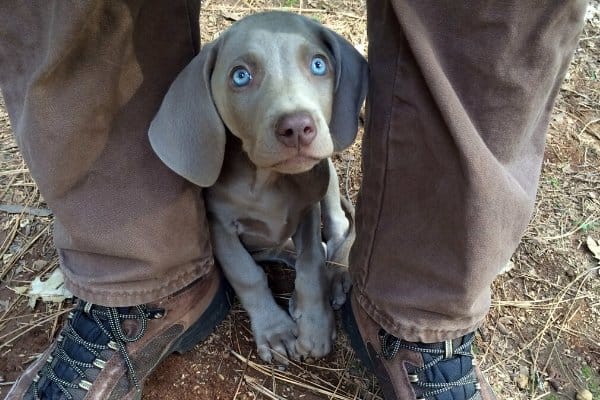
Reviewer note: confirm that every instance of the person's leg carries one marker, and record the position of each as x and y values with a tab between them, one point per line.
82	81
458	107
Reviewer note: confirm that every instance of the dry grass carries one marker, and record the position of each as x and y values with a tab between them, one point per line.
546	308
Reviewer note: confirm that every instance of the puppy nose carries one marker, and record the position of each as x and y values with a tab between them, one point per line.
294	130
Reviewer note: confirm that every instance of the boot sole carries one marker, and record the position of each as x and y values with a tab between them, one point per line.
351	328
206	324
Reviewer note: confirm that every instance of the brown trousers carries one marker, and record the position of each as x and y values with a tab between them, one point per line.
459	101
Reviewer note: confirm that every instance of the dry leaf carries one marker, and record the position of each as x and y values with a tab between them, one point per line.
50	290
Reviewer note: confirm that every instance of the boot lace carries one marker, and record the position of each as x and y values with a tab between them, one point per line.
109	321
390	345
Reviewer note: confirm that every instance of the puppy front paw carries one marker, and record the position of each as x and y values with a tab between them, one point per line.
275	335
316	329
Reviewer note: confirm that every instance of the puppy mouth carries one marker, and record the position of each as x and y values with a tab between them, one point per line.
296	164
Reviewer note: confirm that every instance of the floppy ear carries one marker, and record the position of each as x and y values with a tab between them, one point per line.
351	77
187	133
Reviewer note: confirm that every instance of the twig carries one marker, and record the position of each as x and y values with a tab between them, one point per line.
39	323
15	172
351	15
19	209
55	323
274	374
339	384
542	396
263	390
586	126
347	179
7	187
18	255
289	9
589	220
237	390
543	304
9	238
583	39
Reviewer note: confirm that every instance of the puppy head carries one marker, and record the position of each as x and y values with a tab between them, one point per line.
289	88
273	87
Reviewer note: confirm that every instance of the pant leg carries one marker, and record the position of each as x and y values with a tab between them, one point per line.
82	81
458	107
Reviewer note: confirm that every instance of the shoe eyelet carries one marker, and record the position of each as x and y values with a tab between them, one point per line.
99	363
113	345
448	349
85	385
413	378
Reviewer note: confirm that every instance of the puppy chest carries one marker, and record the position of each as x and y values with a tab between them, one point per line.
261	219
264	227
267	219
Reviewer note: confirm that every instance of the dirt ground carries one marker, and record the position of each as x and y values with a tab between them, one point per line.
541	338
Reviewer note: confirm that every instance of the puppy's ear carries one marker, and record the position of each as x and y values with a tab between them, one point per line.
351	77
187	133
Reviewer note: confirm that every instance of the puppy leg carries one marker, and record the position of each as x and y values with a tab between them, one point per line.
310	306
274	331
339	234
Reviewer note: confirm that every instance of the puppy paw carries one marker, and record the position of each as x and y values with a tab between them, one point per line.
275	334
316	330
339	285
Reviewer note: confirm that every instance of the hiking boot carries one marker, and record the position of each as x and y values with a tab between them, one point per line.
407	370
106	353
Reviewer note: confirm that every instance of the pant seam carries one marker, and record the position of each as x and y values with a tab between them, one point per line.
384	172
198	268
407	332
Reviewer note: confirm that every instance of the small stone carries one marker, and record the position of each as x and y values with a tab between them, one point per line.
38	265
522	381
584	394
555	384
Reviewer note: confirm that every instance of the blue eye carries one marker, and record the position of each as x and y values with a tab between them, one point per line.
318	66
241	77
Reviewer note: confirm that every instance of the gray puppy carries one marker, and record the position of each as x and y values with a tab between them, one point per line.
254	118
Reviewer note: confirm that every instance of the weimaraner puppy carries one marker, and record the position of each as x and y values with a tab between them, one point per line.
254	118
